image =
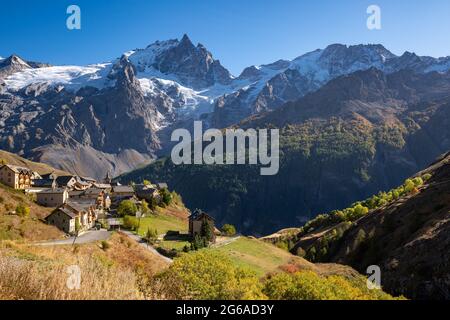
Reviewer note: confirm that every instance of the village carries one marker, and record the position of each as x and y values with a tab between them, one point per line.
82	203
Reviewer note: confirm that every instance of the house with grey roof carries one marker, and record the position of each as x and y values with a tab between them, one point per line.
99	195
66	181
74	216
147	192
122	191
64	219
52	197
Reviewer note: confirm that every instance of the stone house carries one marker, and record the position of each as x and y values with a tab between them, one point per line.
122	192
73	214
147	193
100	196
64	219
66	181
87	211
196	221
52	197
17	177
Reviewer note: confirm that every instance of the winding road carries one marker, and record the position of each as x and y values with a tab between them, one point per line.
86	237
99	235
144	244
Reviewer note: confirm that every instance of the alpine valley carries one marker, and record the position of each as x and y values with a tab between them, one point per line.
353	120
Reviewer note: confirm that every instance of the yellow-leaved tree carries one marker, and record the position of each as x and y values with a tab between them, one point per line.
208	275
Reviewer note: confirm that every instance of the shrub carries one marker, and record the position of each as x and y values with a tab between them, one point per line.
151	235
104	224
105	245
418	181
144	207
77	225
426	176
131	223
166	196
359	211
409	185
207	231
208	275
176	198
282	245
300	252
307	285
22	210
198	243
311	254
8	206
229	230
127	208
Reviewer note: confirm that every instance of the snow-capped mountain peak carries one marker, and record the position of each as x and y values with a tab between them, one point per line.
132	102
180	60
144	58
187	81
14	63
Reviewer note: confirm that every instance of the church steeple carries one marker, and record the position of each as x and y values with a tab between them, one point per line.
108	178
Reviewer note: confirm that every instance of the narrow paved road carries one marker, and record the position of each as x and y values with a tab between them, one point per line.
144	244
99	235
87	237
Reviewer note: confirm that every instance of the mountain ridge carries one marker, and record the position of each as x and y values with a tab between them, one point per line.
155	90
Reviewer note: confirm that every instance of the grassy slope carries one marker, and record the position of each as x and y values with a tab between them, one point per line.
14	227
31	228
41	168
257	255
171	218
34	272
264	258
162	223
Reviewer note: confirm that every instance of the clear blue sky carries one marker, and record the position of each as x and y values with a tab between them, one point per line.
238	32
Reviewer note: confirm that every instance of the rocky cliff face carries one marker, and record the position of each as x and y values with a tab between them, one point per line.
412	240
408	239
286	81
193	66
42	120
120	114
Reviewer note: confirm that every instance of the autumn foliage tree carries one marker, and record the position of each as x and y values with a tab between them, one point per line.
208	275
